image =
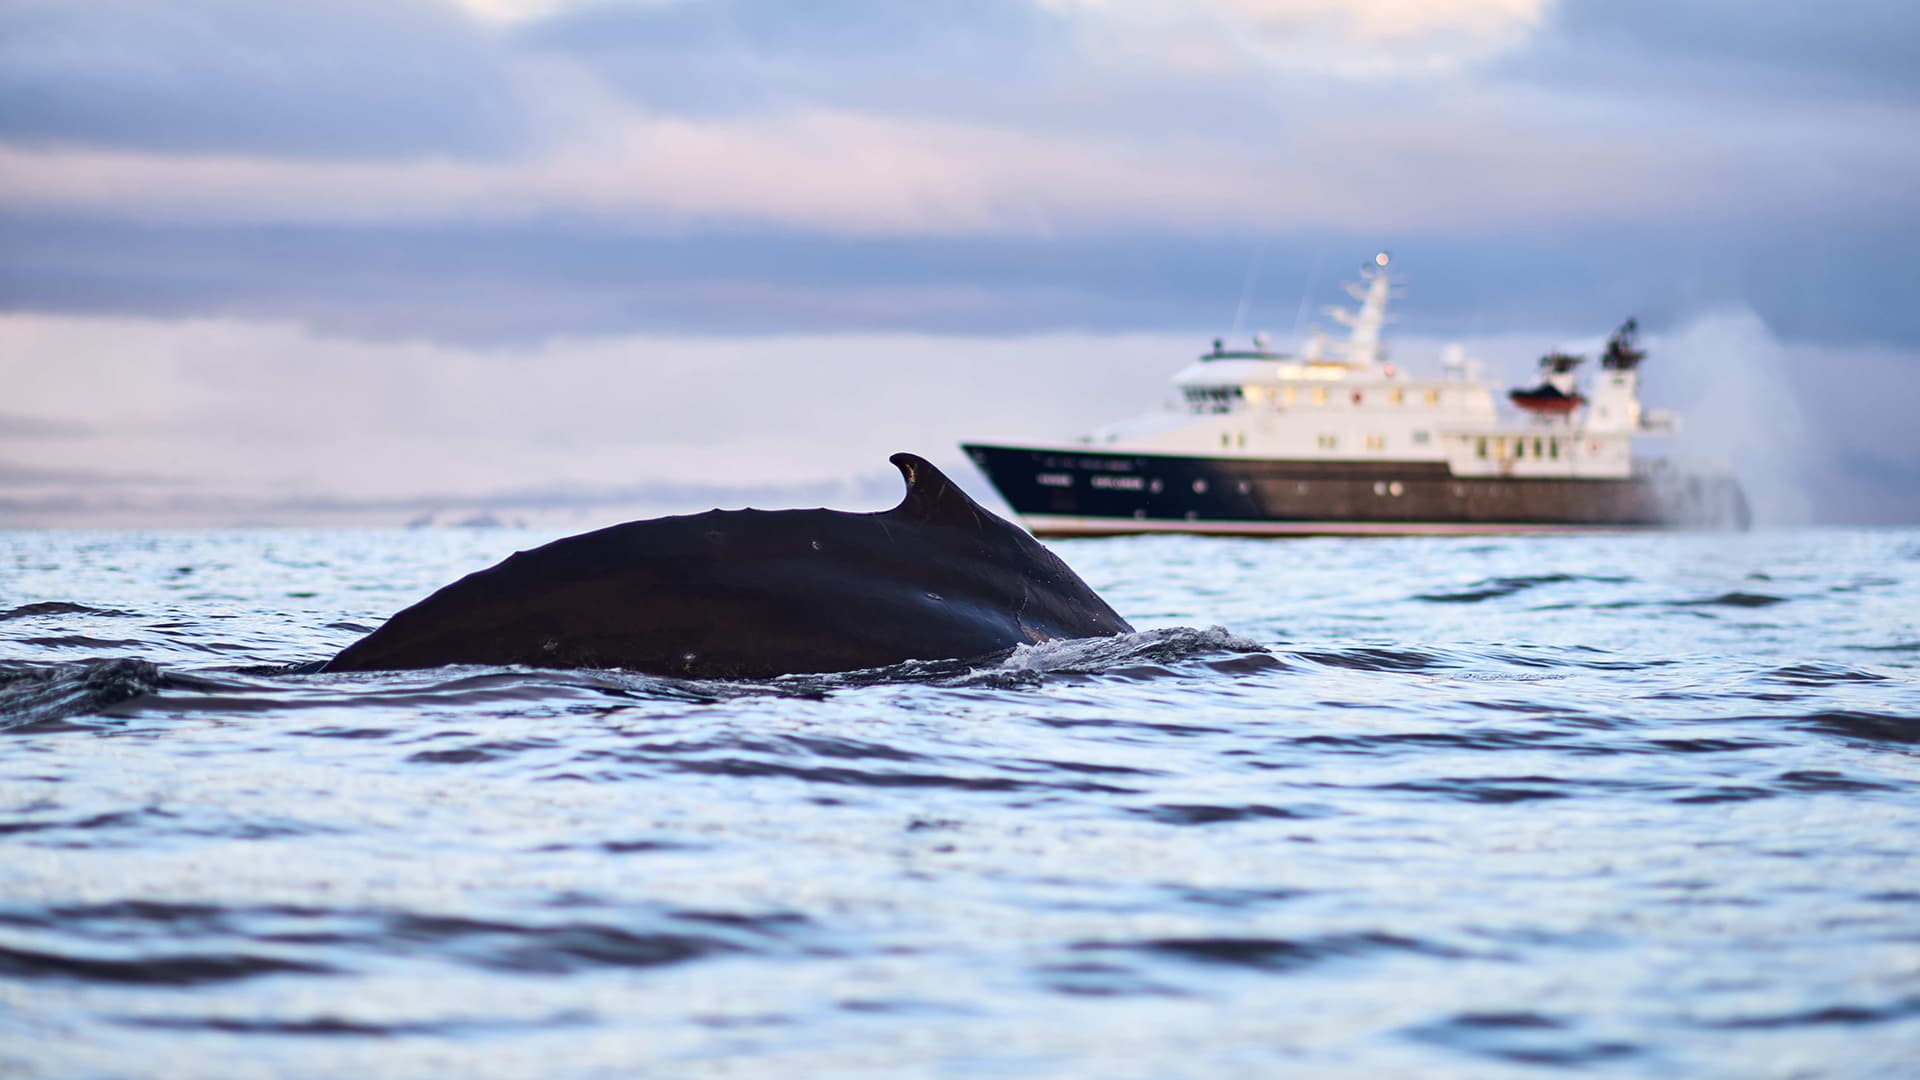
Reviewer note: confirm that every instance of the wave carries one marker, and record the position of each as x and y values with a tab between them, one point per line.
1523	1038
1496	587
38	697
186	945
34	695
56	607
1734	600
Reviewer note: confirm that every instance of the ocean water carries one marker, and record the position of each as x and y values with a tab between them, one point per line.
1620	805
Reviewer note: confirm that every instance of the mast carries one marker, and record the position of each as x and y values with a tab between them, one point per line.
1623	348
1616	396
1363	347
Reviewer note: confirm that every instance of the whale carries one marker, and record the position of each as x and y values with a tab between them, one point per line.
756	594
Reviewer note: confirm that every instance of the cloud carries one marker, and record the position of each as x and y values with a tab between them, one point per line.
719	57
16	426
511	11
1731	51
863	118
45	476
344	79
865	173
512	284
508	170
1366	39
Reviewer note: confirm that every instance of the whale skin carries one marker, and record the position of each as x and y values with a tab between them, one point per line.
748	594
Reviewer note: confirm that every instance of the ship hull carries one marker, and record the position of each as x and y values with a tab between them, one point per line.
1076	492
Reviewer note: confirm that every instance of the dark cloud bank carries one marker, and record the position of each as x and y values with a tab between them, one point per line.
519	283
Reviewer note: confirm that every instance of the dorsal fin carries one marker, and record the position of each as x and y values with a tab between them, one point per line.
932	498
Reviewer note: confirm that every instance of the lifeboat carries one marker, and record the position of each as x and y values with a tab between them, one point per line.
1547	398
1555	396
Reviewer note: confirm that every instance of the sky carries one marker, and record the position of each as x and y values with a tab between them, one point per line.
362	260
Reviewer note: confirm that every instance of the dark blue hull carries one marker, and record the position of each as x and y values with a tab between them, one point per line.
1075	492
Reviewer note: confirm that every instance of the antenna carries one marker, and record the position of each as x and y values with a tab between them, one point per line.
1306	294
1246	287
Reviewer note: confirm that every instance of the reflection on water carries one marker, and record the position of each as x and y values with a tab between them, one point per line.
1637	805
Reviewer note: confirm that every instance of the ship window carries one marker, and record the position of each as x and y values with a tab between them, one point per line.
1481	449
1327	442
1399	396
1520	448
1376	442
1553	449
1421	438
1500	447
1223	439
1433	397
1319	395
1289	394
1240	440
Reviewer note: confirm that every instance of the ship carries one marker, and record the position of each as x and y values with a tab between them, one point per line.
1338	440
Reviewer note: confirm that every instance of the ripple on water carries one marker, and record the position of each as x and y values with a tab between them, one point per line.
57	607
1867	726
1498	587
1608	805
186	944
1271	955
1525	1038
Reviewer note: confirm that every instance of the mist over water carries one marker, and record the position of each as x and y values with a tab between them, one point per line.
146	423
1631	805
1731	381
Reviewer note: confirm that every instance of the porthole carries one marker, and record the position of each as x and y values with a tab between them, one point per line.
1200	487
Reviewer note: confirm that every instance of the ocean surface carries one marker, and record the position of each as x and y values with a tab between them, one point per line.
1613	805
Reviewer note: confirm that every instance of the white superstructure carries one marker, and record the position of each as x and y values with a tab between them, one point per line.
1346	401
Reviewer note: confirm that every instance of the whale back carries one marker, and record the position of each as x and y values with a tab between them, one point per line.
756	593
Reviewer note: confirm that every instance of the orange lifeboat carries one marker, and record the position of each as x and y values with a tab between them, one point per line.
1555	396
